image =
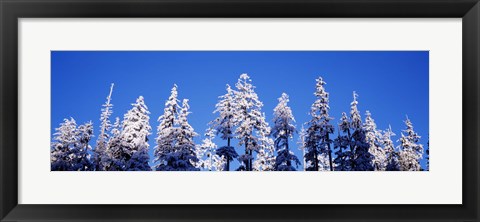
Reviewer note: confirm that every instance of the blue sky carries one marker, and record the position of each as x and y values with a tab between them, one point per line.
390	84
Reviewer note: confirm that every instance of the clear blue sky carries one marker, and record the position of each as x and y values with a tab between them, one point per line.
390	84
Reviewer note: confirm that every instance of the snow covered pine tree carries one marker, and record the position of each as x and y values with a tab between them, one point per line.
100	157
317	140
175	150
134	135
80	154
373	139
362	158
343	159
390	153
248	118
410	150
65	138
224	125
207	158
70	147
265	160
283	129
185	147
166	134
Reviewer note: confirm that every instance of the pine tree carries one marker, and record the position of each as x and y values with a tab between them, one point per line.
185	147
224	125
410	150
362	158
167	131
390	153
114	158
343	155
282	131
248	119
207	158
101	148
373	139
65	138
135	131
266	159
317	136
80	157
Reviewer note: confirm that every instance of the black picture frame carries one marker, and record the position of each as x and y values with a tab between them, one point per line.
12	10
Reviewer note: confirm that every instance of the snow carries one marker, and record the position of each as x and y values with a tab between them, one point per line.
282	131
410	150
175	150
317	140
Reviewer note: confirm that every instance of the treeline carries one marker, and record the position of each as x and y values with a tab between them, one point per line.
353	145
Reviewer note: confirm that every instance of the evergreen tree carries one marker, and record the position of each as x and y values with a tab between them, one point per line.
248	120
224	125
266	153
135	131
175	150
343	155
101	148
167	131
207	158
113	160
410	150
282	131
362	158
317	136
65	138
184	146
373	139
80	158
390	153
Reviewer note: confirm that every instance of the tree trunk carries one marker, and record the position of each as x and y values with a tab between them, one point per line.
227	167
247	167
329	153
250	160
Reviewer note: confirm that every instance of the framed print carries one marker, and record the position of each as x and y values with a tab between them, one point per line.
123	110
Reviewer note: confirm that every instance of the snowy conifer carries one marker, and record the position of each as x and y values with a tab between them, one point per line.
362	158
65	138
282	131
207	158
135	131
100	149
390	152
186	158
114	160
175	150
343	155
224	125
373	138
410	150
248	119
266	159
317	135
80	157
166	133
